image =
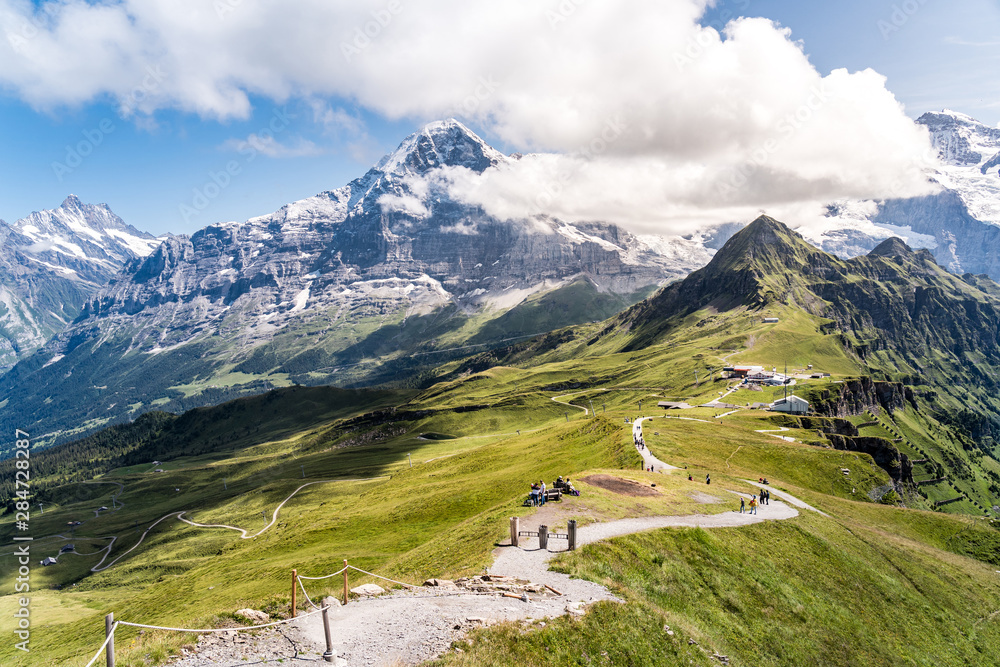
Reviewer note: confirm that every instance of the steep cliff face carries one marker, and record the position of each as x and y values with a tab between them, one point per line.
857	396
883	452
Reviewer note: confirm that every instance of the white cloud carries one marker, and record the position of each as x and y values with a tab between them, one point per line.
697	125
271	147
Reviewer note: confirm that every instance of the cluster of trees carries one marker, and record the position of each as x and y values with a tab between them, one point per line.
82	459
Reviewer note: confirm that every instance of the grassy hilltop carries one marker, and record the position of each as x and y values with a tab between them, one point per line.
879	579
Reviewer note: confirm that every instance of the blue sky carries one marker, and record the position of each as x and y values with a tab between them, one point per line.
167	159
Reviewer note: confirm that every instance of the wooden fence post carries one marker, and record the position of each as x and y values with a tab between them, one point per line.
328	654
543	537
515	526
571	534
295	580
345	582
109	624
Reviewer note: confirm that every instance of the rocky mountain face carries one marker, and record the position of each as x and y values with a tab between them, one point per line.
960	225
352	286
53	261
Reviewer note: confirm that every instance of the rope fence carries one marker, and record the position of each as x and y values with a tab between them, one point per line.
111	635
325	576
372	574
209	630
297	584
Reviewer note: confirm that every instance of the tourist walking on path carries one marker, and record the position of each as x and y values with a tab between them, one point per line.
743	504
708	478
753	504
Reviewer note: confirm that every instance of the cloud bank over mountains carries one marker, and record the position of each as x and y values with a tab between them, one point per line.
632	111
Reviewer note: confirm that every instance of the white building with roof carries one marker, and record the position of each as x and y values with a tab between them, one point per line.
791	404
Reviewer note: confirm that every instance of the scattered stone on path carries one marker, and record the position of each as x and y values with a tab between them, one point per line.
439	582
368	589
330	601
253	615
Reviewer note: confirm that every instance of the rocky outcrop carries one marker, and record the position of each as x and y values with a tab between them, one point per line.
859	395
883	452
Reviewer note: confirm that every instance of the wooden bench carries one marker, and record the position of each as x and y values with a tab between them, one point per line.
550	494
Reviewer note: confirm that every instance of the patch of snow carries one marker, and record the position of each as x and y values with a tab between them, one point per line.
577	236
141	247
301	298
54	360
513	296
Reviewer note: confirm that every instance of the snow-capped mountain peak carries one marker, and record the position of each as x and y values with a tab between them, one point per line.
970	157
51	262
439	144
84	232
960	139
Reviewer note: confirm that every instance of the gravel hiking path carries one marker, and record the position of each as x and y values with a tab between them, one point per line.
406	627
650	461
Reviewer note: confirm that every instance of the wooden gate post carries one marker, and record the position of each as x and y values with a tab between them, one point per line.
328	654
571	534
543	537
295	580
109	624
515	526
345	582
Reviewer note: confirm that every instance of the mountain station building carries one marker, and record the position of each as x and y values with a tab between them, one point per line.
791	404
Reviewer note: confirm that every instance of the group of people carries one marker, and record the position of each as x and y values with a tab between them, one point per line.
537	493
566	486
755	501
537	496
708	477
